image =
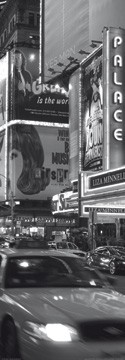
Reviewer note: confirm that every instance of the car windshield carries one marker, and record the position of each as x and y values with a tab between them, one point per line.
62	245
51	271
117	251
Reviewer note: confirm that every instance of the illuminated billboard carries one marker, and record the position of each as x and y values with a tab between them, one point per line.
114	91
74	126
3	89
29	98
38	161
2	167
91	113
65	202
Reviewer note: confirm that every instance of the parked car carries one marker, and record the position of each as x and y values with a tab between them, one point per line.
52	245
110	258
9	241
30	243
52	306
71	247
2	241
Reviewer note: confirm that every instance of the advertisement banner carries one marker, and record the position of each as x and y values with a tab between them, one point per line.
114	91
3	88
38	161
29	98
64	202
2	166
74	126
91	126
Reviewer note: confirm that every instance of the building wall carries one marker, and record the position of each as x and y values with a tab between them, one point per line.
66	32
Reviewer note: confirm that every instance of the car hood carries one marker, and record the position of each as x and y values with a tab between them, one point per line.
58	304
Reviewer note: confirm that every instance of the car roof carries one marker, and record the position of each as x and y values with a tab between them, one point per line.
34	252
108	247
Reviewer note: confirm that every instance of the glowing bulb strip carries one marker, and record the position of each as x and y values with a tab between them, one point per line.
40	52
80	121
38	123
91	55
6	120
65	211
103	213
108	106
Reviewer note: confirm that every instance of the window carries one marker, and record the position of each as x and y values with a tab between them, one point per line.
50	271
31	19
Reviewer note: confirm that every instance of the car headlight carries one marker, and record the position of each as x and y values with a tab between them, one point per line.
55	332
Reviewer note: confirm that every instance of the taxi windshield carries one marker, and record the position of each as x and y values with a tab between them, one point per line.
51	271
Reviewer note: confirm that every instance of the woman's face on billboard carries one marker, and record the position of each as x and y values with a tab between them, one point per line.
18	61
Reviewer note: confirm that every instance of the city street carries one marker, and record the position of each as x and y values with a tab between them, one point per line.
119	286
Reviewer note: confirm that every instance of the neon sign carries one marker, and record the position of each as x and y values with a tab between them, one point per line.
117	96
65	202
113	104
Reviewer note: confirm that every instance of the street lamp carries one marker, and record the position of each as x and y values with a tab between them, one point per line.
11	203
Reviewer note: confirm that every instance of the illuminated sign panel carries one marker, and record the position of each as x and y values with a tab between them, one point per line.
109	183
105	210
65	202
3	89
91	112
38	161
114	90
74	125
2	166
107	179
29	98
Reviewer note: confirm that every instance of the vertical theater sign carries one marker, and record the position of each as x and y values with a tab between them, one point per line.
114	88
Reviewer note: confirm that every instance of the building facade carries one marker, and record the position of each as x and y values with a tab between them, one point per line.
50	40
34	128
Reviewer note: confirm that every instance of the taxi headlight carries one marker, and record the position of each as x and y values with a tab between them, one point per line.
55	332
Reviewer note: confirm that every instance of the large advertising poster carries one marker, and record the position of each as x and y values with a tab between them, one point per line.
3	89
29	98
38	161
91	115
2	166
74	126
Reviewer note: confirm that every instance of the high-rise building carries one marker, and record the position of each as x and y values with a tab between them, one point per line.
34	134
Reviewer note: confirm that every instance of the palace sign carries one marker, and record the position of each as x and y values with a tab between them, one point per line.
114	90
